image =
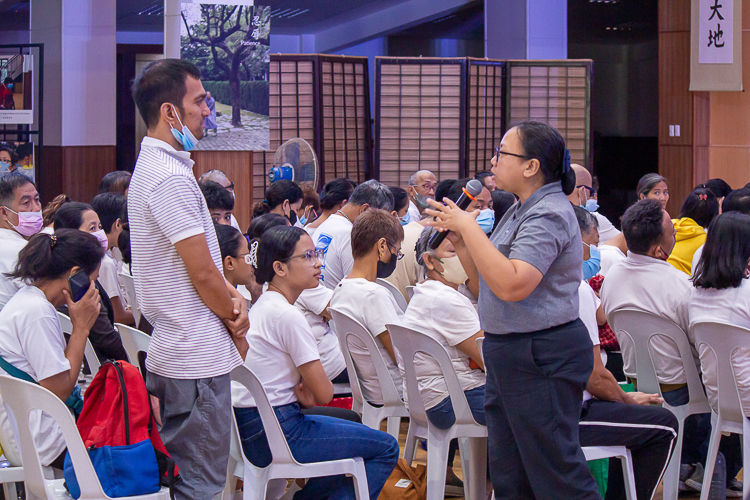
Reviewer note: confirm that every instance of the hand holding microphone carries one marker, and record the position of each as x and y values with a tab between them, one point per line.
472	189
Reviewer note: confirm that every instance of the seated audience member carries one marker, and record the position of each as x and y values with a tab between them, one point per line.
283	197
20	219
333	197
487	179
590	237
444	186
481	202
220	202
583	195
501	203
281	351
31	338
736	201
117	182
48	214
406	269
236	259
259	225
110	208
719	187
376	247
655	187
422	186
221	178
400	204
310	205
105	339
698	210
334	236
442	313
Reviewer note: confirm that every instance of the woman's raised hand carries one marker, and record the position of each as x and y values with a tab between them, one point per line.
449	217
83	313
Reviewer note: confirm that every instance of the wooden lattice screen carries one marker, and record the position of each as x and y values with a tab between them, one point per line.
324	100
486	117
419	117
557	93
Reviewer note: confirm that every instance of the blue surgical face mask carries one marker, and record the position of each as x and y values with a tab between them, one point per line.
10	86
593	264
303	220
4	164
404	220
186	137
591	205
486	220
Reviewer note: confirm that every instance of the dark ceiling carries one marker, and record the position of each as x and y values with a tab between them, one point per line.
612	21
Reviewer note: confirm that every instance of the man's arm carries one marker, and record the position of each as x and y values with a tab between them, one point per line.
602	384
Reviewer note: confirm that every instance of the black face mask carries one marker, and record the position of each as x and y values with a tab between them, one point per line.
385	269
292	217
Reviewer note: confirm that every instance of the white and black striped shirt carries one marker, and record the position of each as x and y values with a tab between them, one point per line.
165	206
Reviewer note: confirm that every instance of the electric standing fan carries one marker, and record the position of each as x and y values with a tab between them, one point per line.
295	160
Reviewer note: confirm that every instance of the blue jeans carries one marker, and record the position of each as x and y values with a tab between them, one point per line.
441	415
315	438
697	435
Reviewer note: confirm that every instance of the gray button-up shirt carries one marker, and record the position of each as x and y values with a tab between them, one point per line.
544	232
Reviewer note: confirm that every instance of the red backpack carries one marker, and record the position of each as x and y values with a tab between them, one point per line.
116	419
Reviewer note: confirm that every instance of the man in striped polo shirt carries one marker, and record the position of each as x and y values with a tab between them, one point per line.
199	320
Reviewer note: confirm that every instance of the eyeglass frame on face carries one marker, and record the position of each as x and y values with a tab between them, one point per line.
498	153
312	256
426	186
399	254
591	191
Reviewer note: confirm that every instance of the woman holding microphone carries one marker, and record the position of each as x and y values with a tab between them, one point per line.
537	351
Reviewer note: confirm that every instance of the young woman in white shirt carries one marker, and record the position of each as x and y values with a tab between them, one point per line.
235	257
31	338
281	351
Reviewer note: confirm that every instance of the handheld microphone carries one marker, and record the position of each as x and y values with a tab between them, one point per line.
472	189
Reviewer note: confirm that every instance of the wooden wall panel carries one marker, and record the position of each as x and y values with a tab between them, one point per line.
675	163
701	136
49	178
731	163
674	15
675	101
75	171
238	166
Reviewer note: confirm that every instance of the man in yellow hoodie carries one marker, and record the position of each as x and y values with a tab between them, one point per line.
698	210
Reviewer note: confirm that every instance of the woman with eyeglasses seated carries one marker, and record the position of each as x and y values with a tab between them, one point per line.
281	351
376	248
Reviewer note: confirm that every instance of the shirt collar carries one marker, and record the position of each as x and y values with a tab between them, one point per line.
536	196
153	142
645	260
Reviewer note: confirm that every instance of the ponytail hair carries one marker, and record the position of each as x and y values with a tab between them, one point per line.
276	194
701	205
543	142
50	256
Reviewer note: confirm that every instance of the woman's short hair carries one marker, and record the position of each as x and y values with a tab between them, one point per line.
544	142
217	196
48	214
737	201
647	183
50	256
70	215
723	263
276	194
277	244
443	188
701	205
400	198
586	221
643	225
335	192
422	247
230	240
263	223
115	182
109	207
372	225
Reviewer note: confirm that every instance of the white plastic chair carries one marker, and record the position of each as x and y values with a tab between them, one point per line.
88	352
400	300
472	436
134	341
410	291
129	284
9	476
24	397
724	340
283	465
641	327
393	407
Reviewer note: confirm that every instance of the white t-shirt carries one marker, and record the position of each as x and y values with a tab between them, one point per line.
31	339
610	255
447	316
731	306
11	243
696	258
334	236
413	212
312	302
280	340
166	206
654	286
373	306
607	230
108	276
588	303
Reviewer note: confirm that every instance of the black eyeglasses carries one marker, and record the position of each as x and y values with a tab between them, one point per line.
399	255
498	153
592	191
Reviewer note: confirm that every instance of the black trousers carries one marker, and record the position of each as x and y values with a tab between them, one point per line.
649	432
535	385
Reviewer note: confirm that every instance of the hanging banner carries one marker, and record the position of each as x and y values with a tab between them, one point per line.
716	45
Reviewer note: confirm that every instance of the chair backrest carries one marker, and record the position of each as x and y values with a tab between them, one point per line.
724	340
409	342
24	397
88	352
400	300
350	369
641	327
410	291
346	327
280	452
134	341
129	284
